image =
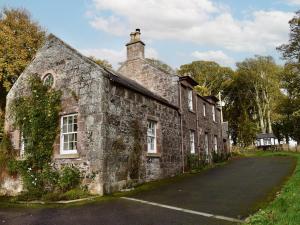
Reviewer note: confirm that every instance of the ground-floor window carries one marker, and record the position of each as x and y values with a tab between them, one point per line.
216	144
206	143
68	144
22	146
192	141
151	136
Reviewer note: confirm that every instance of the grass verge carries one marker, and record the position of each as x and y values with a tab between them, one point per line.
285	208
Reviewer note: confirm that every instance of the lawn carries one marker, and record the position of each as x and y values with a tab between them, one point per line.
285	208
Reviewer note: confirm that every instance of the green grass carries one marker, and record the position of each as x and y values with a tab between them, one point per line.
285	208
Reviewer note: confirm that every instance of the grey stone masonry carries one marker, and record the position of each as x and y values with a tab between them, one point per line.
133	125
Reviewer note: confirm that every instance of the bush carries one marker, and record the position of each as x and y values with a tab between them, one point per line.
72	194
75	194
69	178
220	157
194	163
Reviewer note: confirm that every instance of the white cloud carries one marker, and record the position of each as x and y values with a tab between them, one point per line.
115	56
200	21
293	2
216	56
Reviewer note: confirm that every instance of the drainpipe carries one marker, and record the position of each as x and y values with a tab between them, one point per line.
181	126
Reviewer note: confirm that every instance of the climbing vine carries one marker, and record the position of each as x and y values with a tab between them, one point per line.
36	116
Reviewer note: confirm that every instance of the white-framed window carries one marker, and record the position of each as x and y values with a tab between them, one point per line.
151	136
204	109
206	143
214	113
22	146
190	99
68	141
216	144
192	141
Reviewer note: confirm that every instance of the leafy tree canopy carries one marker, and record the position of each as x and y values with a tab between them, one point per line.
20	38
291	51
210	76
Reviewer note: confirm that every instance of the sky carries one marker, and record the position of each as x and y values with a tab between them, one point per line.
174	31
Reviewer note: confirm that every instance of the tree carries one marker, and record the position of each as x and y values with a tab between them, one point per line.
291	51
239	110
161	65
20	38
263	79
290	104
210	76
101	62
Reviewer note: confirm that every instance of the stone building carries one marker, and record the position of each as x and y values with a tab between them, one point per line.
135	125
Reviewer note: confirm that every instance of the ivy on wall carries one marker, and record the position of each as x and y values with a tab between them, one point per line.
37	117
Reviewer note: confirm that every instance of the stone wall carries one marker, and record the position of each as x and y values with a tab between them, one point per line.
154	79
81	84
200	124
127	113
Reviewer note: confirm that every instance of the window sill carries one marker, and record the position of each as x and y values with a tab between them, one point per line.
154	155
67	156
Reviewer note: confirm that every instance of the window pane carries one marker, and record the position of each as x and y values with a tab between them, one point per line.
65	128
65	120
66	146
66	138
70	128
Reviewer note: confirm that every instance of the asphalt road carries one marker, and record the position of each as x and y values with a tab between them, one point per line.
232	191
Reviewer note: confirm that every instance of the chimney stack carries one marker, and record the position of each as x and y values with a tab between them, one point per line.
135	47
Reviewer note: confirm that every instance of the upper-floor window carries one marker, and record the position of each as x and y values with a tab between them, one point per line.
68	144
190	99
214	113
192	141
204	109
151	136
216	144
48	80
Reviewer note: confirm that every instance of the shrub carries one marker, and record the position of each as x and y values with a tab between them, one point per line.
220	157
75	194
194	163
69	178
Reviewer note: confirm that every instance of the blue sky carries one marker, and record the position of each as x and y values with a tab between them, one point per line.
175	31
